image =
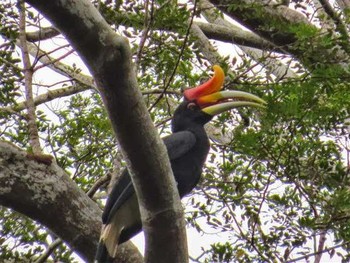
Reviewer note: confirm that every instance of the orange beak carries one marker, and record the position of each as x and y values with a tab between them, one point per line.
213	101
213	85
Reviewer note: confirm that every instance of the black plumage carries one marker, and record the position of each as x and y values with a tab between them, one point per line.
187	147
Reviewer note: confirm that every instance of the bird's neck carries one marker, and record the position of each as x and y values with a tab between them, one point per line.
201	136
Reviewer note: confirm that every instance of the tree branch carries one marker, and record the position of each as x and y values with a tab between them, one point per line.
298	259
108	58
28	78
257	16
45	193
277	68
321	244
43	257
234	34
276	23
58	66
339	24
43	33
48	96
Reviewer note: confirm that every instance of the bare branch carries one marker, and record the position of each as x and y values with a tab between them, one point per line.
147	22
98	184
59	67
43	257
43	33
28	78
235	35
321	244
46	97
54	60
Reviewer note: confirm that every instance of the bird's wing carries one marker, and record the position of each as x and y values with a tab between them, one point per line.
122	191
179	143
122	207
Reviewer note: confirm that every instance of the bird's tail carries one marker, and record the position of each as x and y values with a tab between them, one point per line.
107	247
102	255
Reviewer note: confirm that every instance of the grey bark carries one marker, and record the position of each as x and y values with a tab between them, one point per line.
38	188
108	58
275	23
232	34
45	193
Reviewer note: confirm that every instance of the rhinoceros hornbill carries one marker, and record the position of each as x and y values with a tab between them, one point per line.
187	146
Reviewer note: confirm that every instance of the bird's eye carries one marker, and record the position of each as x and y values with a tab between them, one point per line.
191	106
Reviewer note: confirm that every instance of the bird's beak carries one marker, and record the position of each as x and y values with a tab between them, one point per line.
213	101
209	87
219	102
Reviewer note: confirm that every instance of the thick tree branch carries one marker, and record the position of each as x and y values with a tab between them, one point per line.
108	57
339	24
259	17
277	24
234	34
45	193
277	68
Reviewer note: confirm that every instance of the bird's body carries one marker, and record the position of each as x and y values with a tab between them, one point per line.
187	148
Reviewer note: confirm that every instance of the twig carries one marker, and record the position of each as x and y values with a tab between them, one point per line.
178	59
148	22
55	60
321	242
318	252
103	180
60	67
38	56
49	251
339	24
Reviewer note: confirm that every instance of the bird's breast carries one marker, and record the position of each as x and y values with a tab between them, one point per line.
188	169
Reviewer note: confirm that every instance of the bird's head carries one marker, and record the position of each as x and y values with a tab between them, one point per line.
202	103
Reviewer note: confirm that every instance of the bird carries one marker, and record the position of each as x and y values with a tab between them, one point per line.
187	149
